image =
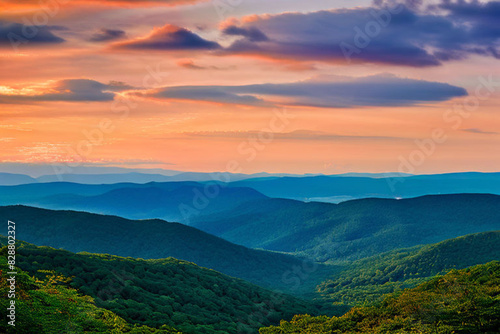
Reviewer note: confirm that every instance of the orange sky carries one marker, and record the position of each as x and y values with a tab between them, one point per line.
46	117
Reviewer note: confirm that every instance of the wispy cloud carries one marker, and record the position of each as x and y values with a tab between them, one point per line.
293	135
479	131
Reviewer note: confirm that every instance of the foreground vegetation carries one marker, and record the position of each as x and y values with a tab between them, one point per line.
48	306
462	301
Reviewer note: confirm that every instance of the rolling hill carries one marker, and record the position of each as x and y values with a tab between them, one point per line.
48	306
165	291
174	201
10	179
156	239
354	229
367	280
462	301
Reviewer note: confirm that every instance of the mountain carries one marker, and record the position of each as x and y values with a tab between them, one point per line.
367	280
48	306
36	170
165	291
462	301
354	229
105	178
175	201
138	177
9	179
156	239
329	188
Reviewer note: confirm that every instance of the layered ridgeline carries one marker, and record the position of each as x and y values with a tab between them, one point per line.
327	188
48	305
149	292
367	280
10	179
174	201
319	231
462	301
354	229
334	188
156	239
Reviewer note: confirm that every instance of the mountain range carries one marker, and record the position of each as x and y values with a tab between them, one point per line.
156	239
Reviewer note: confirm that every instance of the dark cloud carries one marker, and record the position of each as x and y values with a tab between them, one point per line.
216	94
400	35
252	34
338	92
16	34
170	38
104	35
70	90
479	131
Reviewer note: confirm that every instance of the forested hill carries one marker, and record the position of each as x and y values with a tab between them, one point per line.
367	280
173	201
47	306
354	229
155	239
165	291
462	301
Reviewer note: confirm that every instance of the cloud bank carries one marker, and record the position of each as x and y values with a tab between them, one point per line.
338	92
69	90
398	35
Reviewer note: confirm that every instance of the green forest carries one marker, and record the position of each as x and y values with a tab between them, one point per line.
96	292
462	301
166	291
48	305
367	280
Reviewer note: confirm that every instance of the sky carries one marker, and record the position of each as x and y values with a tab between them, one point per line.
319	86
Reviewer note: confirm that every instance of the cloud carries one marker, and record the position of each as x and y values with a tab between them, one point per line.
293	135
187	63
328	92
213	94
190	64
252	34
479	131
406	36
104	35
69	90
18	34
169	38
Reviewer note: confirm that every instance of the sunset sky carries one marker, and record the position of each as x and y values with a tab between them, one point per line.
319	86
